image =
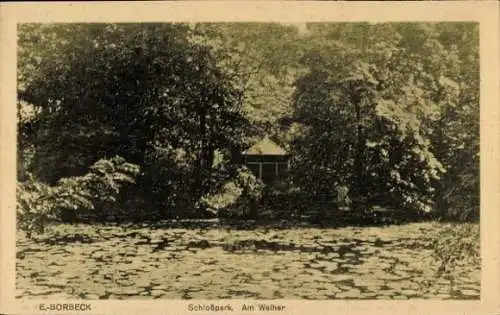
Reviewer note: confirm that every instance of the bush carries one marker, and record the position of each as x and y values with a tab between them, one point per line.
457	245
34	206
459	199
236	198
95	195
73	198
227	196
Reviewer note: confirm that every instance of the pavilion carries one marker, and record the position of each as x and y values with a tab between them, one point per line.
267	160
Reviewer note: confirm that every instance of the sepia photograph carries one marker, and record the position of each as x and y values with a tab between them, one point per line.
158	160
255	161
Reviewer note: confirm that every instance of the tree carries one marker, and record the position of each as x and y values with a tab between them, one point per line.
456	136
375	111
366	108
261	59
449	56
145	92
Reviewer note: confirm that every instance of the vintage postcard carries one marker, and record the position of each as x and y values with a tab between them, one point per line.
249	158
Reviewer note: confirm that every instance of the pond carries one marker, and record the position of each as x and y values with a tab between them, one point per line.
141	262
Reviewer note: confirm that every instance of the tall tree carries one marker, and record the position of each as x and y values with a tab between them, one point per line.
146	92
262	61
366	115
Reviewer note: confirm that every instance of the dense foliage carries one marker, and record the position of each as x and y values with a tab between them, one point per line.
87	197
373	115
379	111
144	92
237	197
457	245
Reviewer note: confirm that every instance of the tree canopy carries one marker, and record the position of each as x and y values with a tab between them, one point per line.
379	113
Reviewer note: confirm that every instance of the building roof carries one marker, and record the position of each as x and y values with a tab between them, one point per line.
265	147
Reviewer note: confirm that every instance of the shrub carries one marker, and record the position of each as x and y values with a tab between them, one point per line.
95	195
73	198
34	206
238	197
457	245
227	196
460	199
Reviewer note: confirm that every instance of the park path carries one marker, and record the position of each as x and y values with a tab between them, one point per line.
105	262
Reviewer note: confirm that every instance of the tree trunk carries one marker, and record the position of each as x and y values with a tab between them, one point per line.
200	167
206	155
359	179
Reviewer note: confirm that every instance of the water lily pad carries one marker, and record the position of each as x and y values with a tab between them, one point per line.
353	293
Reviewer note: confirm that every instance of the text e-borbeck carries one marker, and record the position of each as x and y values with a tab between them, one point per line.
65	307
